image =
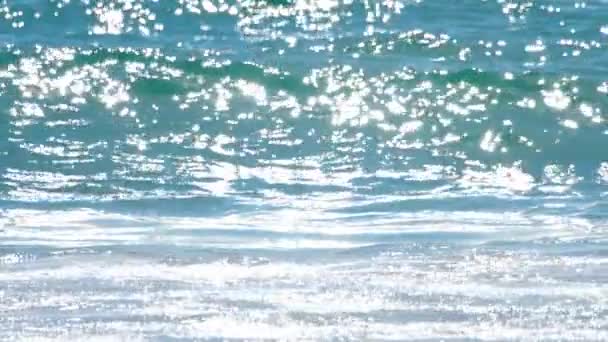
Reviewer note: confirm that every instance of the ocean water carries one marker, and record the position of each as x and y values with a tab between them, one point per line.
303	169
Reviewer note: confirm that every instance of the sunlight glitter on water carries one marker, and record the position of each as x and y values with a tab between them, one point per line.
303	169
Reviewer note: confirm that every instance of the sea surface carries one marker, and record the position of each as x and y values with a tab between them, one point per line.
303	169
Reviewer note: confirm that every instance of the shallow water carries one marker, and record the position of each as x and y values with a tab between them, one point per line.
360	170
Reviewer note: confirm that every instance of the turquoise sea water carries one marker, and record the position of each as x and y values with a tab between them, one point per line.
305	169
